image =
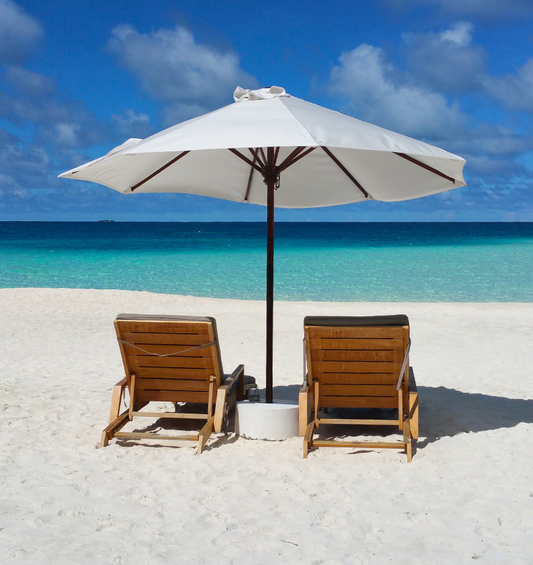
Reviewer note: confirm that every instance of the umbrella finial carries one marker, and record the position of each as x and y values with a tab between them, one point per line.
242	94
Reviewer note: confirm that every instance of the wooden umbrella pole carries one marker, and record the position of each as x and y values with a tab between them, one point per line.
270	173
270	294
271	179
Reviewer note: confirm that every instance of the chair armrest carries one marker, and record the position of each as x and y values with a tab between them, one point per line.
116	398
226	396
236	379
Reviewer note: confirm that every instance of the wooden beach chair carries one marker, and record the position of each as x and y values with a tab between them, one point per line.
358	363
173	359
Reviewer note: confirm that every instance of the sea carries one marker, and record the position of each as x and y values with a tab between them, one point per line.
378	262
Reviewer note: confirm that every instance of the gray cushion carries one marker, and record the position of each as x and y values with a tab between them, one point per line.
355	321
165	318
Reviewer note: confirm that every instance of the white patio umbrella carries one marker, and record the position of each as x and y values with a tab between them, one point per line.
306	155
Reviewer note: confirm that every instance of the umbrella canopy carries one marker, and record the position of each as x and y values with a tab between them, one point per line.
349	160
309	155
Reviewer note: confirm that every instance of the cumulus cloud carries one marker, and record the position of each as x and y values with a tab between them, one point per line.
188	77
25	167
20	33
451	63
446	61
459	34
420	99
43	130
31	98
28	83
130	124
7	136
418	95
515	91
376	91
54	130
485	9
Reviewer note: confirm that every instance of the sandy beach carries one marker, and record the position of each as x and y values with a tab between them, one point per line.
467	495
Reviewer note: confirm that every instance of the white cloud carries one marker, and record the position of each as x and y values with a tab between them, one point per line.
450	62
7	136
67	133
29	83
446	61
131	124
378	92
44	131
188	77
412	100
20	33
460	33
25	167
485	9
31	98
515	91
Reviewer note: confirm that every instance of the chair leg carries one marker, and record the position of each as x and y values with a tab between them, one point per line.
116	425
308	438
224	404
407	440
203	435
413	404
413	413
104	440
303	410
220	408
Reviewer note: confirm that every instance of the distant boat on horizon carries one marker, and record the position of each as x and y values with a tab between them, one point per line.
106	220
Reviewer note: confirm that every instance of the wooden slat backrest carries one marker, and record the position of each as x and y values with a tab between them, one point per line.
356	367
176	378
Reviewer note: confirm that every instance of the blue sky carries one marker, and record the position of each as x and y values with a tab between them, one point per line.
78	78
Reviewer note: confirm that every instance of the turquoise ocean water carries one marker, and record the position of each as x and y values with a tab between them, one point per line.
426	262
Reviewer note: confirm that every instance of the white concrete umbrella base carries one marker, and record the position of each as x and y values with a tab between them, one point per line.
272	421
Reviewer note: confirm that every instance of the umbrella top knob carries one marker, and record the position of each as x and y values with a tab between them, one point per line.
243	94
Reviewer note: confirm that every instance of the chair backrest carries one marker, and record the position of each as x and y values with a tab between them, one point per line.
180	377
356	360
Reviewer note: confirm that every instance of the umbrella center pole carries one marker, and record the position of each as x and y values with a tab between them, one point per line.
270	293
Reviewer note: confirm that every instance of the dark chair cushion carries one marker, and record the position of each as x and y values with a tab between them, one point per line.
355	321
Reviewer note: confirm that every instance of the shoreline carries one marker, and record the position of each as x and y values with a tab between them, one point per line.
253	501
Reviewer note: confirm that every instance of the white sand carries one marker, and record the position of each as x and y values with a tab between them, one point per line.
467	495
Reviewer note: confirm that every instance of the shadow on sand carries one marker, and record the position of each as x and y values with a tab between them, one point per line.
448	412
443	412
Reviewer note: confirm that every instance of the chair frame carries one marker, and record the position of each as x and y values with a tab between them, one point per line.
311	399
219	398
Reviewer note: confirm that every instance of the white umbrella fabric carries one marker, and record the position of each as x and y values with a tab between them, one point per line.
307	155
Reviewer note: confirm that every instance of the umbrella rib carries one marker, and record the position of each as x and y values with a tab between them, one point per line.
282	167
264	161
276	153
161	169
255	155
345	171
288	160
245	159
424	166
249	185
